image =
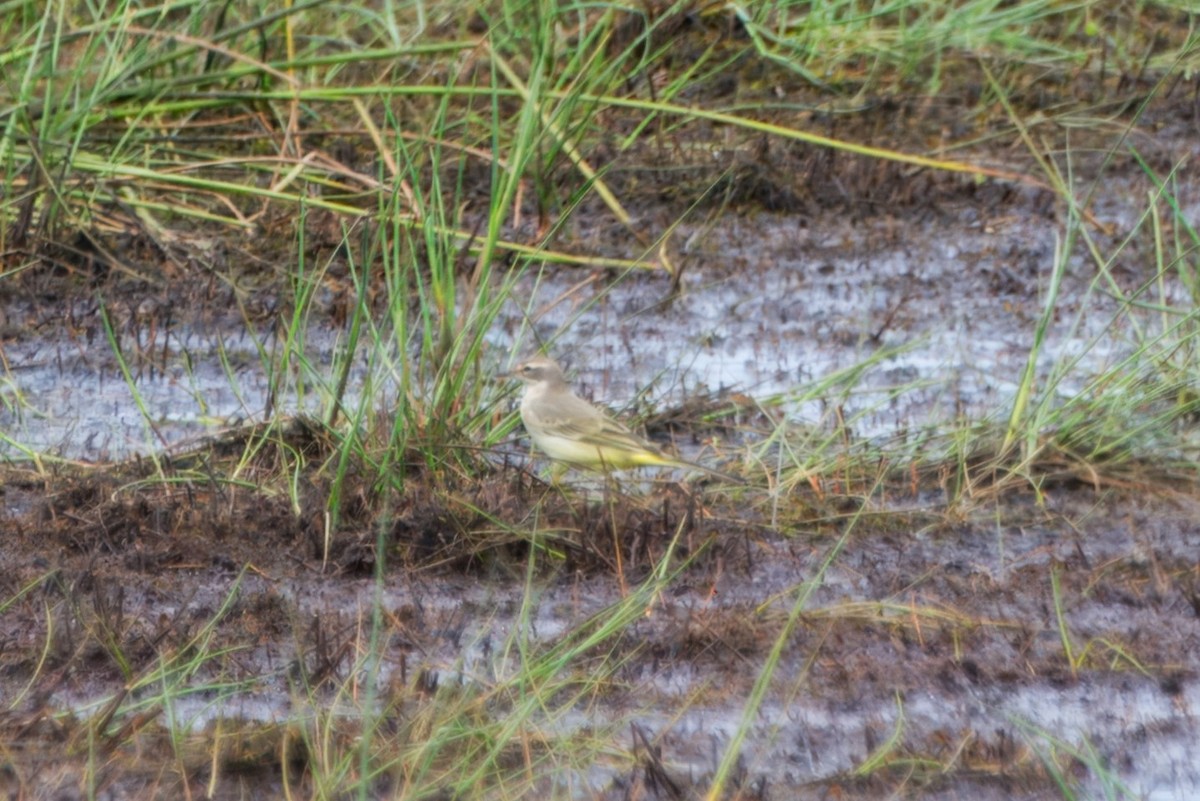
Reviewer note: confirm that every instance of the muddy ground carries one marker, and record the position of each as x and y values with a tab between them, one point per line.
972	637
938	628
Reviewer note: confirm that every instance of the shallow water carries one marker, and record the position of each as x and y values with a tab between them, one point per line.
944	312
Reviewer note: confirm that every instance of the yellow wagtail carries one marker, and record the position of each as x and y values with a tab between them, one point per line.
569	429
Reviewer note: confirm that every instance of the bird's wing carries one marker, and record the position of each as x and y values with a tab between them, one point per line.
582	421
614	435
574	418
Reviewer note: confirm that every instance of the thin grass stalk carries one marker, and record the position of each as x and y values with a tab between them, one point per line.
882	755
44	654
1180	219
359	318
114	344
1060	617
350	446
1018	426
372	712
397	273
733	749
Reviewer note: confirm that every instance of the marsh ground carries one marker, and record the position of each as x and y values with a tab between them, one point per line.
964	564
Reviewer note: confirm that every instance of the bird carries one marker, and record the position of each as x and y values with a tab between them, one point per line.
568	429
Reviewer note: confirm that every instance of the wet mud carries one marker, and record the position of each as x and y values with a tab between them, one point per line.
953	652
